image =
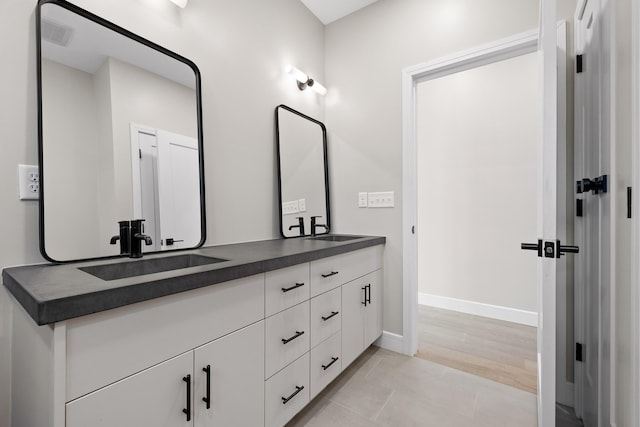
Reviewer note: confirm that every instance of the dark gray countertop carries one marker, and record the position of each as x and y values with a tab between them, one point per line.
54	292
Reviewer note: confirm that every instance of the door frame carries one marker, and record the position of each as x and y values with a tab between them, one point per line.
635	225
510	47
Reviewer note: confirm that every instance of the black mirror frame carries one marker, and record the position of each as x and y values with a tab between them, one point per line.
326	169
101	21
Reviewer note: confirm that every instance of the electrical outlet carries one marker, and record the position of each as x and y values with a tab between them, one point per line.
362	200
29	182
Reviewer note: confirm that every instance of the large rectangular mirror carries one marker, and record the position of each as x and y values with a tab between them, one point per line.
302	174
120	138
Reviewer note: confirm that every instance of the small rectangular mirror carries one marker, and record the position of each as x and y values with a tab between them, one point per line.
120	138
303	176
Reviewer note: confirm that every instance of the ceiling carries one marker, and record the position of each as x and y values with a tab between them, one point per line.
328	11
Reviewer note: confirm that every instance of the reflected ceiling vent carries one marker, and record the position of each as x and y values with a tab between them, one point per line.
56	33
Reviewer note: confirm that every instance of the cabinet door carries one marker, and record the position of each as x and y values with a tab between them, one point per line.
352	320
153	397
235	379
373	310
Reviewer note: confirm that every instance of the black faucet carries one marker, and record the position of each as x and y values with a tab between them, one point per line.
314	225
124	237
300	225
137	237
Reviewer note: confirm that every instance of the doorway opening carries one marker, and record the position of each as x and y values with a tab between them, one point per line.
477	139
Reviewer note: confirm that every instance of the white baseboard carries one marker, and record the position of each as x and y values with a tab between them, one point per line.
565	393
391	341
507	314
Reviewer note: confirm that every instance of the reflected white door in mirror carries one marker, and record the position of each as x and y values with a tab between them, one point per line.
165	197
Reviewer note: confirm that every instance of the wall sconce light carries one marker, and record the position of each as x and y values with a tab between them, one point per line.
304	81
180	3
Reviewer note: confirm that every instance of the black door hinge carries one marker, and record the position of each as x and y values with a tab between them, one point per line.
628	202
578	352
578	207
578	63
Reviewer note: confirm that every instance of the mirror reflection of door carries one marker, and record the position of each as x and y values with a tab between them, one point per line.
163	195
95	80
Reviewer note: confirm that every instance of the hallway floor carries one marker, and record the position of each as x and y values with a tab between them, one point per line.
500	351
383	388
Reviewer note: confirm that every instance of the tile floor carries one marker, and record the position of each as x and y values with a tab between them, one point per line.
383	388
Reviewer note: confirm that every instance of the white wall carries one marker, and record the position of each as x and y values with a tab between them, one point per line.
241	48
477	179
70	122
365	55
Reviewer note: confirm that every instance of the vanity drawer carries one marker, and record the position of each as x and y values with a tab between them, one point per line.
286	393
329	273
326	316
286	337
286	288
325	363
105	347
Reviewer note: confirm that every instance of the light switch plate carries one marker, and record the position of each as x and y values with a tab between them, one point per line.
302	205
384	199
29	182
289	208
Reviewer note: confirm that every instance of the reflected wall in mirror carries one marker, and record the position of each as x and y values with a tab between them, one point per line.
119	137
302	174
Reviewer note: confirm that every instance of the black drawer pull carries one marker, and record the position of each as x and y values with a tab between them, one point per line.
207	399
296	286
298	390
187	410
333	313
333	360
298	333
333	273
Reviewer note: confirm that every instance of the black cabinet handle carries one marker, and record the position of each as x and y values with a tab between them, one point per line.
333	360
333	273
207	398
364	288
368	298
296	286
298	333
298	390
333	313
187	410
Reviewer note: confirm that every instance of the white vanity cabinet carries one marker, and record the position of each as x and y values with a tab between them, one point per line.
173	392
246	352
305	342
362	315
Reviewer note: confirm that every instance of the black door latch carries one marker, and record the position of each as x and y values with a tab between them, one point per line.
595	185
550	248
